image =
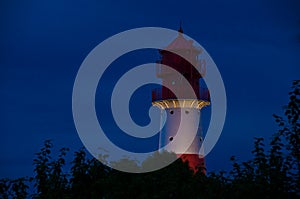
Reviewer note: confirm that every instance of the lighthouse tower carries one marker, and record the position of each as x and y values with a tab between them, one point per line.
187	109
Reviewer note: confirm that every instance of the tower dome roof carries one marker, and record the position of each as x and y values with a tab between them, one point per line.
181	43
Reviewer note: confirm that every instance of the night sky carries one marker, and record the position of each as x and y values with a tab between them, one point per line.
255	45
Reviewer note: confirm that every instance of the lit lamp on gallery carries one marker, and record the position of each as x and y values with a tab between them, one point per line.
187	108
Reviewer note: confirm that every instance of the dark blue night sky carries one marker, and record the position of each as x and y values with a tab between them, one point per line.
255	45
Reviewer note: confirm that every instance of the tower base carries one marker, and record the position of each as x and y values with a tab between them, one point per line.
196	162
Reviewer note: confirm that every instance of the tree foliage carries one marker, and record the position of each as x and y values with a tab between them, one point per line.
273	172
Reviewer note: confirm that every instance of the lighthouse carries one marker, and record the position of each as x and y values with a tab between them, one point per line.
182	56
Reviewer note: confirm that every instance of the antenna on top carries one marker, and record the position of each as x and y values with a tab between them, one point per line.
180	28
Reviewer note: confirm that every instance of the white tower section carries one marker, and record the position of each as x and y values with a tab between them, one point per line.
190	111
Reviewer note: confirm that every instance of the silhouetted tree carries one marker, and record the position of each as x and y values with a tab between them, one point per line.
14	188
50	180
272	173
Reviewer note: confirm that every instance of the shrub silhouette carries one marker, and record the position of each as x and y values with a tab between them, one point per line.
272	173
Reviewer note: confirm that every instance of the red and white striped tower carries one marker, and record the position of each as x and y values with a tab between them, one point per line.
188	107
